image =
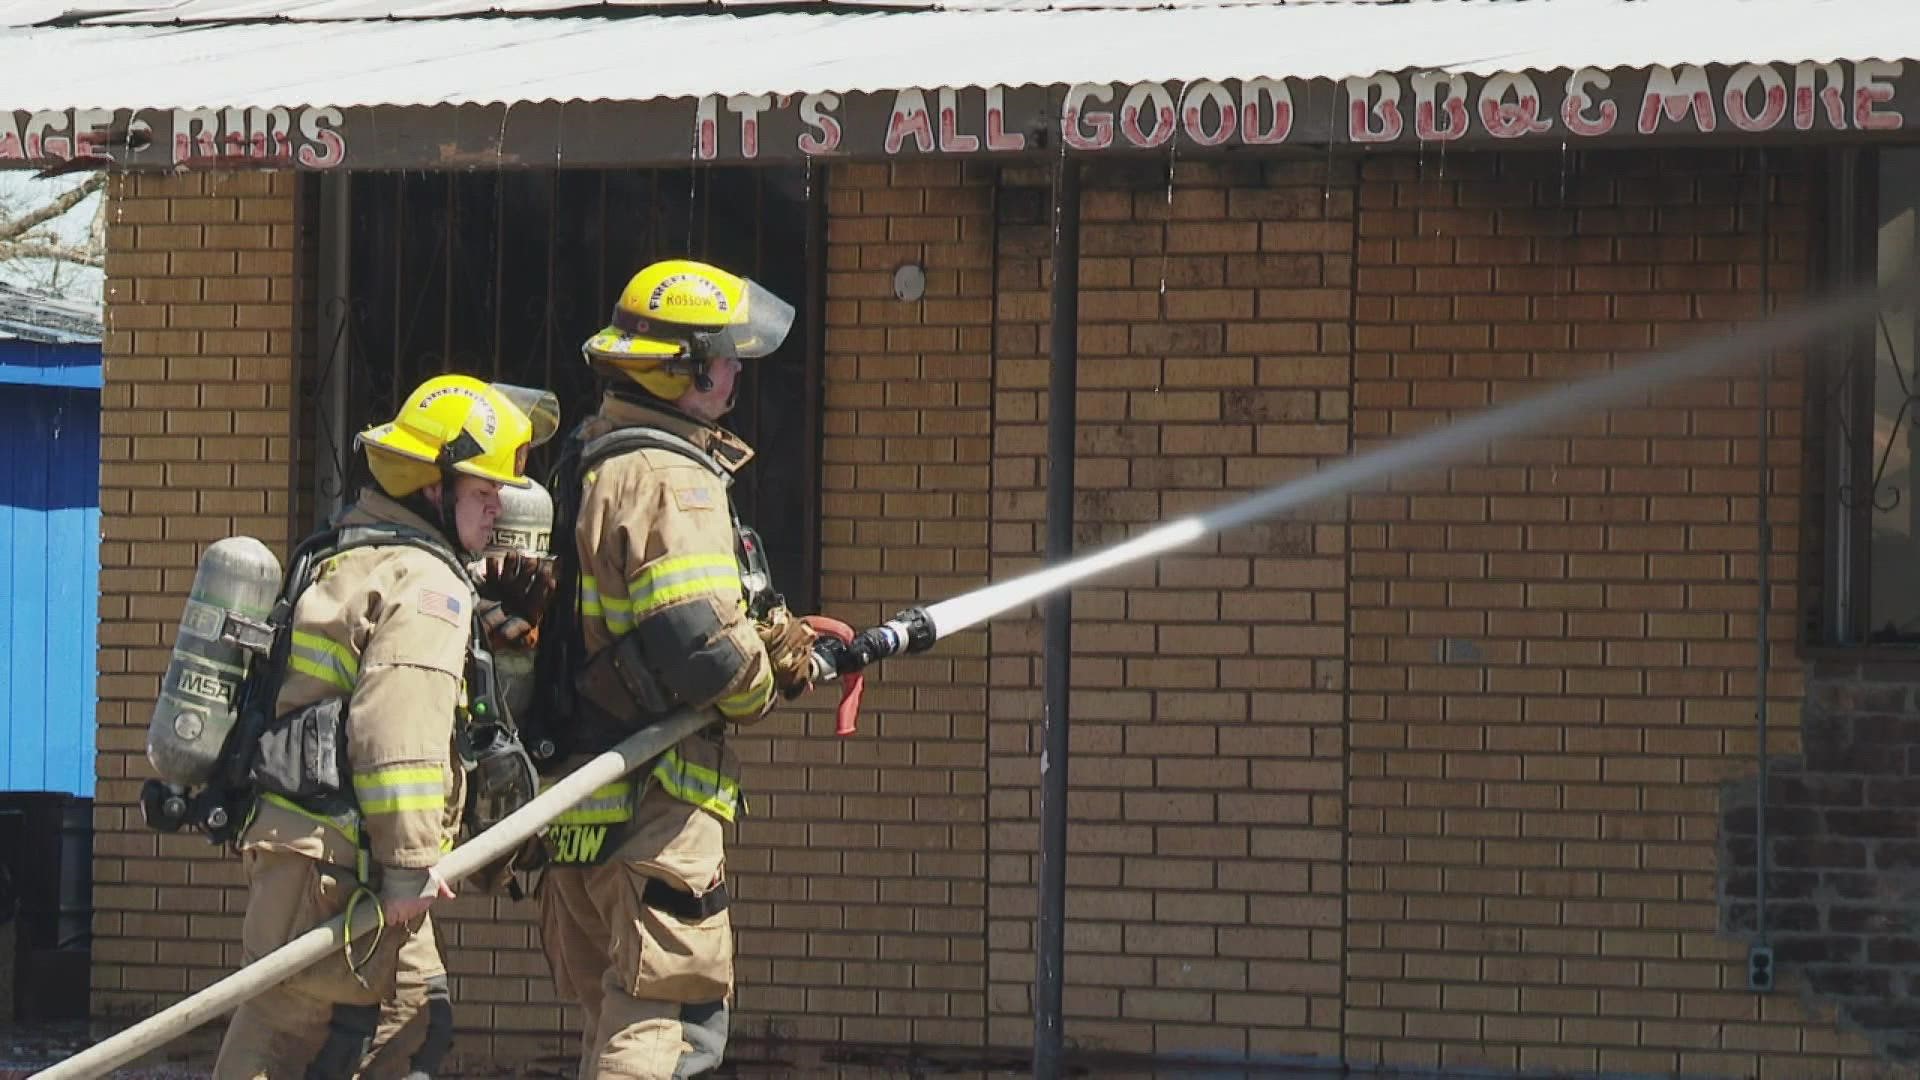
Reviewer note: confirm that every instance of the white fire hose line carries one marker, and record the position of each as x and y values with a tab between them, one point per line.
304	951
1747	346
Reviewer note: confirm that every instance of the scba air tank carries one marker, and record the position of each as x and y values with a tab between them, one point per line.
525	525
198	703
525	522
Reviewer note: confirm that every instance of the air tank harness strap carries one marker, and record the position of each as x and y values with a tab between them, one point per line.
362	864
346	935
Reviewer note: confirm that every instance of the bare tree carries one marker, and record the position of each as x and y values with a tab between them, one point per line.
44	245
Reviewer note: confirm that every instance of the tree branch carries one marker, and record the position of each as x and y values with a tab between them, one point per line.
65	202
30	249
97	228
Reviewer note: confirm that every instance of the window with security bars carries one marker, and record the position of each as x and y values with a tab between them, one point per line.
1865	405
502	275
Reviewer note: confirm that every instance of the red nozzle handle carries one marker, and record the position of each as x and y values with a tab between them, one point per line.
852	685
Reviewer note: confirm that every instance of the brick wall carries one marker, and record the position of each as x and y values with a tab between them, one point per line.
1203	911
862	869
201	440
195	446
1553	648
1492	841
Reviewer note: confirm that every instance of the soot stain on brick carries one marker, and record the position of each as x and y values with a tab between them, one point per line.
1843	852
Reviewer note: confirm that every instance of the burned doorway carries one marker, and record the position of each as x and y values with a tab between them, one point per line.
502	275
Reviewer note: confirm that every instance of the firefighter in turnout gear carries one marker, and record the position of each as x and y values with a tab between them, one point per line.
416	1024
383	631
633	900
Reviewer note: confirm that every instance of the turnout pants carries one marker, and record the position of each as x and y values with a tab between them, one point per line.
416	1023
643	943
279	1033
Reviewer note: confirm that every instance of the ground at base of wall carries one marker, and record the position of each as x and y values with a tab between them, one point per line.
26	1050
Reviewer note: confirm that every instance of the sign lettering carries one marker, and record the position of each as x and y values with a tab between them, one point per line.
1690	102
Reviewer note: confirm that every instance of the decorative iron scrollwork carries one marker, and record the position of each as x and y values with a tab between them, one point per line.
347	315
1884	495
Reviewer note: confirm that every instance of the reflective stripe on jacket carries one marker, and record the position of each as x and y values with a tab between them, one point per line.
388	626
655	539
688	781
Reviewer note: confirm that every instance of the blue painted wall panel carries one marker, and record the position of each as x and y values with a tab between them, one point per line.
49	586
32	363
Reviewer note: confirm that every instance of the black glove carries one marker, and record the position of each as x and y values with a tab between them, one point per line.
514	588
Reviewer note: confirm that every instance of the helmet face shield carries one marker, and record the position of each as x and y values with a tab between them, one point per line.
541	407
677	315
760	325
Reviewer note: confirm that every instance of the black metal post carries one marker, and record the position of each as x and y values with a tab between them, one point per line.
1763	518
1049	960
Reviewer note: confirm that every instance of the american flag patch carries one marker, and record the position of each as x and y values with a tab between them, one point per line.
440	606
693	498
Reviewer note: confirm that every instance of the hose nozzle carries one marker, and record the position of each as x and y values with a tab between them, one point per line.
910	631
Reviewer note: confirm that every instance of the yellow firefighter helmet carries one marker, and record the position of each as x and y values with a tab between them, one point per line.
459	423
676	315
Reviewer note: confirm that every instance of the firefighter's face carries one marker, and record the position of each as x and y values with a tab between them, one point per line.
716	402
476	503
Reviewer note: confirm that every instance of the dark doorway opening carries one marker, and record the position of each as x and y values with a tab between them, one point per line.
502	275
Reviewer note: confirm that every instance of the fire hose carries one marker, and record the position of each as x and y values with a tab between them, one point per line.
916	629
503	839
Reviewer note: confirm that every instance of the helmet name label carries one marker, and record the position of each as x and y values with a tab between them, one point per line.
480	406
672	291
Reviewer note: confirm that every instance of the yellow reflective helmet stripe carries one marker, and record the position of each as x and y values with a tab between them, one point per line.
328	661
400	789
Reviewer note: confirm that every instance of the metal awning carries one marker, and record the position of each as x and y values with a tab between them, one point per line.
976	76
528	59
108	12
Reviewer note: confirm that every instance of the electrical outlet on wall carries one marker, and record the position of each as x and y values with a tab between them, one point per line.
1760	968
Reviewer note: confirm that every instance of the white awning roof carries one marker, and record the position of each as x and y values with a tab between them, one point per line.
108	12
165	56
